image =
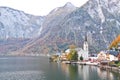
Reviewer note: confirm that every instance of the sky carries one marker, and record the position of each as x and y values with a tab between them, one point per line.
39	7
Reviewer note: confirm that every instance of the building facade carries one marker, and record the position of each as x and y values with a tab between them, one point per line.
84	51
109	55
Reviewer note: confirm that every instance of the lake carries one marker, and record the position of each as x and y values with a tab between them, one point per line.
39	68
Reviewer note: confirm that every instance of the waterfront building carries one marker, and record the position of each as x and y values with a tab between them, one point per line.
83	51
63	57
101	56
112	55
109	55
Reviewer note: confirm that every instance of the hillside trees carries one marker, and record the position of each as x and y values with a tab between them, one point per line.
115	42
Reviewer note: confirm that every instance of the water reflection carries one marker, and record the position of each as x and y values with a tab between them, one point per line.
38	68
71	71
85	72
103	74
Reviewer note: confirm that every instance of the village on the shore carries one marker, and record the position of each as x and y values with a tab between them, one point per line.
106	59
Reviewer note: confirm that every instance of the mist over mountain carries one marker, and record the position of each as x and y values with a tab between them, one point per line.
98	19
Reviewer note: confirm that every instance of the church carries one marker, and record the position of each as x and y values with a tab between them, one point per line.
83	51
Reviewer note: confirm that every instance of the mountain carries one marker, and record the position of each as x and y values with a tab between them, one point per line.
54	18
17	28
98	19
17	24
50	28
105	17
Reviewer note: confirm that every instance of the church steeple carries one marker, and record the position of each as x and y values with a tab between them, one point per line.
86	38
85	45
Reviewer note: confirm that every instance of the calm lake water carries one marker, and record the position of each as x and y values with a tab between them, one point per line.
39	68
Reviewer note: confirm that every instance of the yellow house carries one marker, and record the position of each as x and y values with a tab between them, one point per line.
63	57
101	56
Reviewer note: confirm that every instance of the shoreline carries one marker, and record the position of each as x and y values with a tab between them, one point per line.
105	67
111	68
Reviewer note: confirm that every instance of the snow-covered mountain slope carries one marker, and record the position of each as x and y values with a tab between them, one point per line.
17	24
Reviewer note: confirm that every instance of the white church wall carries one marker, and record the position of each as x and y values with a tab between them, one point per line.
84	54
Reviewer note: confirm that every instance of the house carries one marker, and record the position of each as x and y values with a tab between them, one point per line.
63	57
110	55
93	57
101	56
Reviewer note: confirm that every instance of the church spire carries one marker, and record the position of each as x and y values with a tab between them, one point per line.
85	45
86	38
